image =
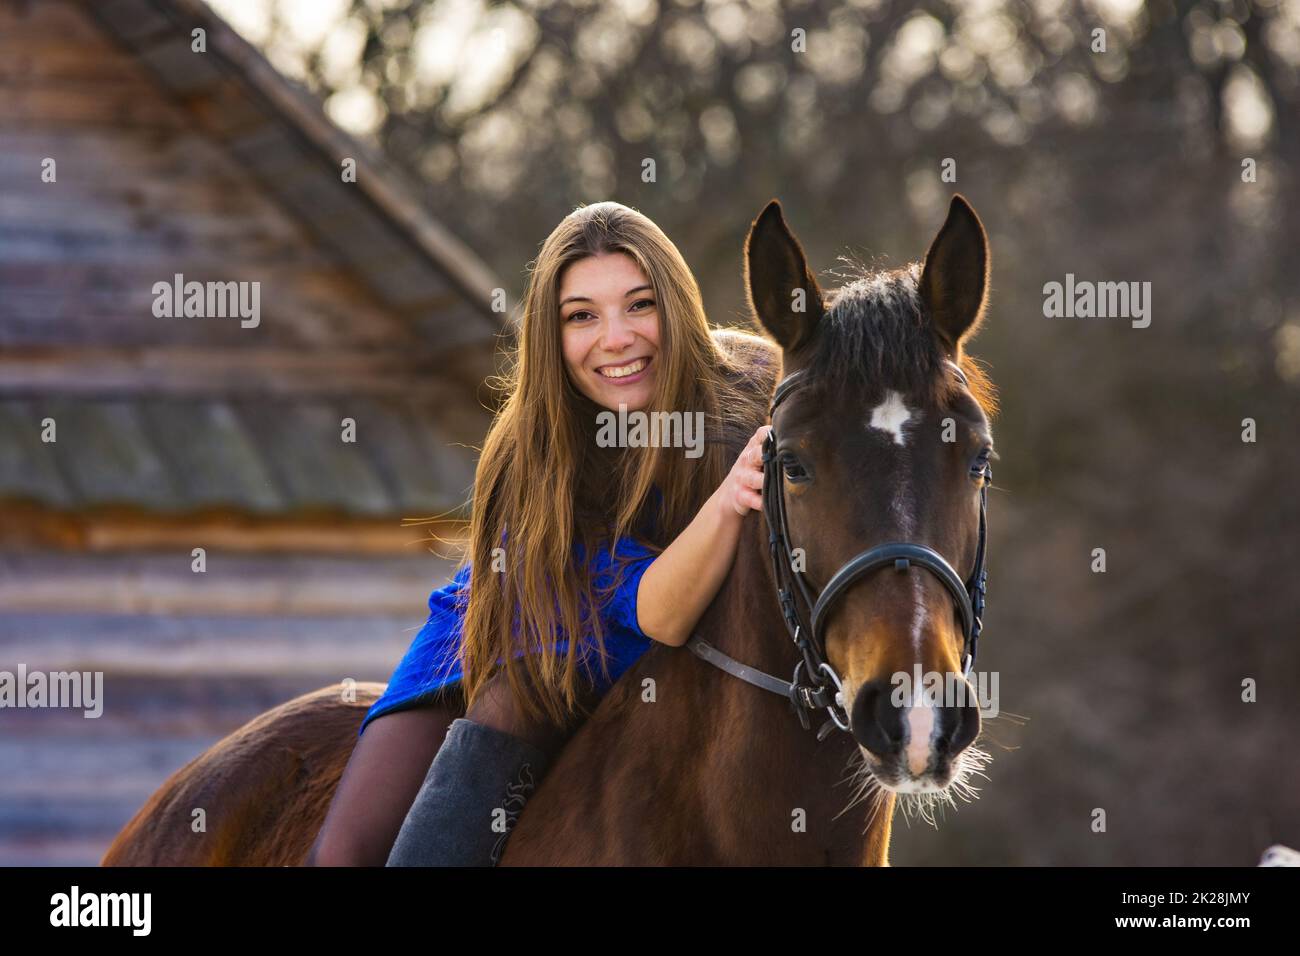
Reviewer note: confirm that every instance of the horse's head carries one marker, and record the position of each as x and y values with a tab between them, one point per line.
886	440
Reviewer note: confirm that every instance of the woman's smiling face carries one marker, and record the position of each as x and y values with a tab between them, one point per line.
609	330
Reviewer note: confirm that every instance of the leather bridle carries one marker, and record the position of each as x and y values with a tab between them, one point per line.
815	685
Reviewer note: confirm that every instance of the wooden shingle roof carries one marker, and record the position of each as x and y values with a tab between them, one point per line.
214	166
281	136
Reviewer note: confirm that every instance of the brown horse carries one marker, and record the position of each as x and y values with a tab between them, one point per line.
682	763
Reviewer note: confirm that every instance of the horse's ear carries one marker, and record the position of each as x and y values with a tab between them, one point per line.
954	282
783	294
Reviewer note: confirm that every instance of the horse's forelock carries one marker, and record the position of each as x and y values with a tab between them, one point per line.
874	337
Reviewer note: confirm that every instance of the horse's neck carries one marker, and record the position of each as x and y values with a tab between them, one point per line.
747	750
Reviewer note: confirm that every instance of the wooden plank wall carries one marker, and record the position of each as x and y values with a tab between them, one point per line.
187	658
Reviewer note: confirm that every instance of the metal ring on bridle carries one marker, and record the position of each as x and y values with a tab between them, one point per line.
840	704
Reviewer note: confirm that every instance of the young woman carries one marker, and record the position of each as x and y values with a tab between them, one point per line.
563	521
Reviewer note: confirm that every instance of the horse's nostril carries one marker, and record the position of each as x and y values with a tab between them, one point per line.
876	724
959	726
966	719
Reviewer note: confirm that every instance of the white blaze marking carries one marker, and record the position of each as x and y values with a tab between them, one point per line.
922	725
891	415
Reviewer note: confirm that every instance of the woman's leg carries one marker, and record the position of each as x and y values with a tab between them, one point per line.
383	775
495	707
478	784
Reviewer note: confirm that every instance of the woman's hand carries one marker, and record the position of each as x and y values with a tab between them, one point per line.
742	491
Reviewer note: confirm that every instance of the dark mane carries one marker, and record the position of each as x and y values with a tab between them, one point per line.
875	337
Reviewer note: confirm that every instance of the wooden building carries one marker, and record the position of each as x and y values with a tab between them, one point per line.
289	449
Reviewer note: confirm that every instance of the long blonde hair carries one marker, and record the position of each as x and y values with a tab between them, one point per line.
543	484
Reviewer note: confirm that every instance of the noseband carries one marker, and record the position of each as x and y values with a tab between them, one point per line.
815	685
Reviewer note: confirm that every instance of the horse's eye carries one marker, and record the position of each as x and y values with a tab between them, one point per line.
793	470
981	468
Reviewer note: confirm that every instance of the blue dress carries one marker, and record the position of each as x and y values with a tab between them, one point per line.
430	666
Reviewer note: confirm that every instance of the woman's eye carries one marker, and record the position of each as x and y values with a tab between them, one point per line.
646	302
578	316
